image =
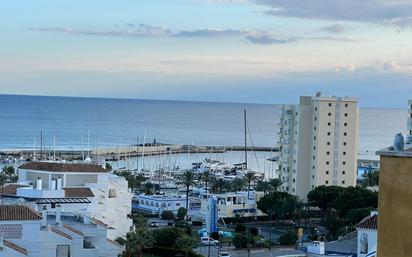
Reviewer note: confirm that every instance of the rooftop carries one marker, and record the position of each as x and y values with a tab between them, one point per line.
18	212
370	222
389	151
78	192
10	189
63	167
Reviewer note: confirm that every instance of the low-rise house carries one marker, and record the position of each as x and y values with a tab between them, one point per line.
156	204
78	188
368	236
24	232
233	203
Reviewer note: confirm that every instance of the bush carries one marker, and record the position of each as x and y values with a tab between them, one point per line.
254	231
181	213
166	237
240	228
240	240
289	238
215	235
168	215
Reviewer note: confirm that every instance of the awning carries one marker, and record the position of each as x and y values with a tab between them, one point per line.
66	200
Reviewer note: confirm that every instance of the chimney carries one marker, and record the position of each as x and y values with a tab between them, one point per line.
59	183
39	184
44	217
53	185
58	214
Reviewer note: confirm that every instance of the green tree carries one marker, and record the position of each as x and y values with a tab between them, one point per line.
181	213
138	240
8	175
168	215
354	216
355	198
324	197
166	237
185	244
206	177
250	177
275	184
263	186
187	179
108	166
279	204
149	188
372	178
237	184
288	238
333	223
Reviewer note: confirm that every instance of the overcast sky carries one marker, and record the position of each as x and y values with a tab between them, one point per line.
264	51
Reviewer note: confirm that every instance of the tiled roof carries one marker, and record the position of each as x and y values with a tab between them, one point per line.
63	167
18	212
10	189
78	192
60	233
15	247
101	223
370	222
72	229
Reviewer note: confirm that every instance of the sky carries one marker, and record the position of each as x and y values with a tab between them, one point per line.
261	51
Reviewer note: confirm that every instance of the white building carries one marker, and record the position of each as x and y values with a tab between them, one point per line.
368	236
24	232
318	141
156	204
231	204
84	189
410	117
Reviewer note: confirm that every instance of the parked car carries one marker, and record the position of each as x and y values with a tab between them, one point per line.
153	224
224	254
208	241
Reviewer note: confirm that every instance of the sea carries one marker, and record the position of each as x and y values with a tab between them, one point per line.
78	123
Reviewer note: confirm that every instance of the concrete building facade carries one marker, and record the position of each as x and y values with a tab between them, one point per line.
318	142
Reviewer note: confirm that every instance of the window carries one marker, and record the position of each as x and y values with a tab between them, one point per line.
316	108
327	182
177	204
346	114
314	128
328	133
294	180
112	193
329	114
330	104
314	138
343	182
316	119
345	134
63	251
313	167
364	243
327	172
314	148
328	143
345	124
329	123
344	143
343	172
313	176
314	157
327	163
344	153
327	153
343	163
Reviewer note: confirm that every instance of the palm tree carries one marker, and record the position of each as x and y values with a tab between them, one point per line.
185	244
138	240
207	178
250	176
263	186
275	184
187	179
237	184
148	188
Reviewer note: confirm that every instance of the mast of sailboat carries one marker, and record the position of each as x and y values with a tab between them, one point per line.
41	145
137	153
244	118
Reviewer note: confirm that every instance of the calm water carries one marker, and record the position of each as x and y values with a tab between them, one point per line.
114	122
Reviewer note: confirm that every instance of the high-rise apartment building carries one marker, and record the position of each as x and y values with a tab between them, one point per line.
318	142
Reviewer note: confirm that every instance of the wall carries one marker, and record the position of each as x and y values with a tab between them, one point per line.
395	207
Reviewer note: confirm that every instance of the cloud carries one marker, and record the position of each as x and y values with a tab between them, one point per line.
267	39
212	32
388	12
335	29
260	37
